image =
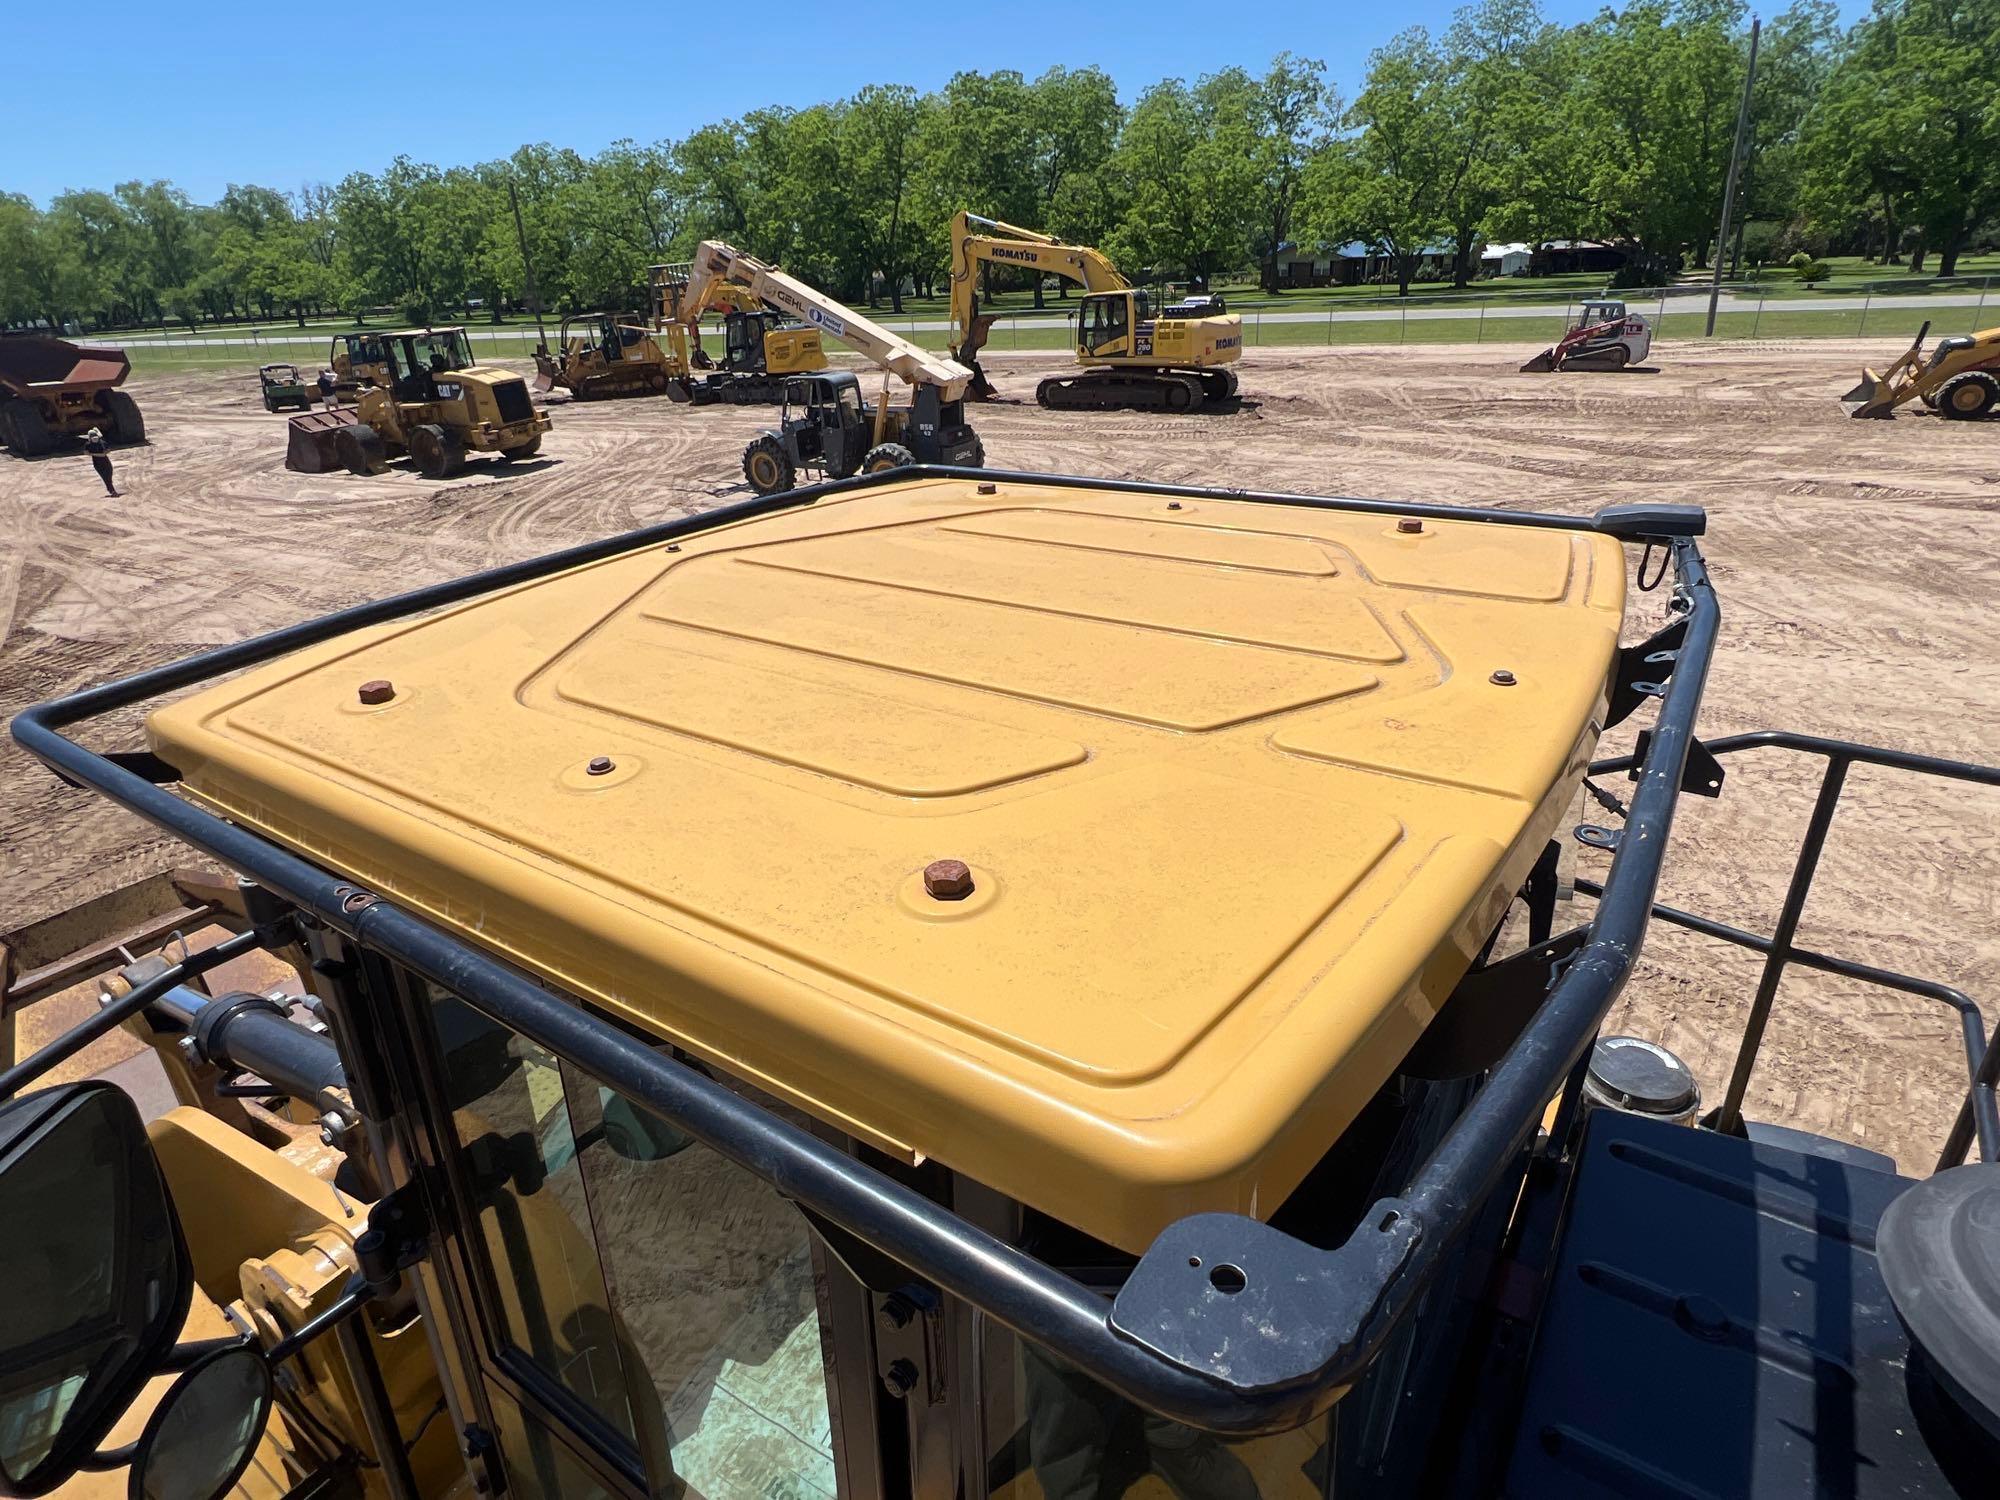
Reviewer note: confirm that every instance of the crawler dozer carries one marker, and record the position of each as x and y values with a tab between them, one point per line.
1960	382
999	986
52	390
1605	336
1174	358
421	394
605	356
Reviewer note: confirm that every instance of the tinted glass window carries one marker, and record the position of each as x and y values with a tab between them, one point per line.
668	1288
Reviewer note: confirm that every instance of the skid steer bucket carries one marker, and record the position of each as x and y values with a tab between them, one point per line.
313	442
1542	363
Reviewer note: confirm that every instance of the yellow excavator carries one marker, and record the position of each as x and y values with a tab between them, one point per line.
761	348
1173	358
605	356
1961	380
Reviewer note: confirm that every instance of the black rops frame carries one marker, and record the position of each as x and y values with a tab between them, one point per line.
1186	1335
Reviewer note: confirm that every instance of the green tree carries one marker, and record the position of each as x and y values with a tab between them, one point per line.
1189	156
877	135
1391	187
1294	113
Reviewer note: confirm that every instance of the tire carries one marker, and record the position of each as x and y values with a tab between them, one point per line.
767	465
1967	397
430	447
123	422
27	432
359	449
526	450
885	456
978	458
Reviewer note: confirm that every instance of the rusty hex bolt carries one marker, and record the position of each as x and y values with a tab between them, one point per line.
1410	525
377	690
1173	505
601	765
947	880
1502	678
988	487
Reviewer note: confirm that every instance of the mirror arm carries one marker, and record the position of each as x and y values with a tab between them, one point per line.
110	1458
184	1355
350	1301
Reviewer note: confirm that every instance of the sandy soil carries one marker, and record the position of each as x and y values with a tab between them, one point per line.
1858	563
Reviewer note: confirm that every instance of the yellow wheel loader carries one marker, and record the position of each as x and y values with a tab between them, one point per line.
421	395
605	356
1960	382
1172	358
1004	987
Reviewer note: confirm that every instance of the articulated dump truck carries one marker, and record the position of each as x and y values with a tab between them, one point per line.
52	390
966	984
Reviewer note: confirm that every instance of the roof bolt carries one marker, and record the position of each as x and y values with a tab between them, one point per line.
601	765
1410	525
377	690
948	879
1173	505
988	487
355	901
900	1379
1502	678
673	546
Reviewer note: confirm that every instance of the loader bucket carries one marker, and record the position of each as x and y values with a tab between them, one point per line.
313	441
1876	395
1541	364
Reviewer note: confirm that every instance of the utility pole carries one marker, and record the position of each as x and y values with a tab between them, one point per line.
528	266
1735	167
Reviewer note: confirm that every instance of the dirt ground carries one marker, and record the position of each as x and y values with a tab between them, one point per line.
1858	565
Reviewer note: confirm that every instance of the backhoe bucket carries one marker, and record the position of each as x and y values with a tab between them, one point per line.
313	442
1541	364
1876	395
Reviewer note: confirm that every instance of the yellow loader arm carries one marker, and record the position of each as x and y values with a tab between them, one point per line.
1880	395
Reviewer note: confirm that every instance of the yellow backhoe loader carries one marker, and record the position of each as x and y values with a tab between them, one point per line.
603	356
1007	987
420	393
1173	358
761	348
1961	381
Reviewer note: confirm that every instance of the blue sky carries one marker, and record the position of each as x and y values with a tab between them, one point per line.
283	93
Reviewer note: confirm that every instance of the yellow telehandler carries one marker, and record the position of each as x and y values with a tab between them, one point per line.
948	985
1961	382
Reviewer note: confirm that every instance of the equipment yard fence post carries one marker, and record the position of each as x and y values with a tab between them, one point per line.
1329	324
1757	320
1480	337
1867	297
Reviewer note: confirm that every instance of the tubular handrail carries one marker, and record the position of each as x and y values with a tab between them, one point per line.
1174	1340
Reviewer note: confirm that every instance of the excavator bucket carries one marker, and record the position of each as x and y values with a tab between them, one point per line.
1542	363
313	443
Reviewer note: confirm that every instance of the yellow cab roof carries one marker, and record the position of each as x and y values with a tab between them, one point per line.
1238	791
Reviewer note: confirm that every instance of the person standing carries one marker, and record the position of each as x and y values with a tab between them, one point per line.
327	388
100	458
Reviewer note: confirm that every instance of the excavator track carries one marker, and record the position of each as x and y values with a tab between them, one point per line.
1128	390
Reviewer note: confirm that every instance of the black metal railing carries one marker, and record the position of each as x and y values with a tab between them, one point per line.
1979	1114
1262	1351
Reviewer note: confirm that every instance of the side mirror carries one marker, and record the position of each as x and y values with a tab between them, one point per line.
95	1278
201	1436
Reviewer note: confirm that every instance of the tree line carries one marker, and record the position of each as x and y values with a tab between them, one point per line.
1882	139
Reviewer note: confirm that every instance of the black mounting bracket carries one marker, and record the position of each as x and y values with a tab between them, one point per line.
1643	670
1702	774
